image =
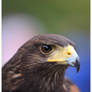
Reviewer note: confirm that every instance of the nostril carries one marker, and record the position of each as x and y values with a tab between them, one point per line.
69	53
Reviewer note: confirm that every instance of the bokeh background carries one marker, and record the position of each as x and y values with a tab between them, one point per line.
22	19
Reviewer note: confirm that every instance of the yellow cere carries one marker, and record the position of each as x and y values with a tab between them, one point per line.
60	54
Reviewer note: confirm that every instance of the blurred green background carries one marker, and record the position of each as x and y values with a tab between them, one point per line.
56	15
70	18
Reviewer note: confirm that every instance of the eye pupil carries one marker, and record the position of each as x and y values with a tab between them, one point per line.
46	48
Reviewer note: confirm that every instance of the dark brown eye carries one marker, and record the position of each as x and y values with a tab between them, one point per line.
46	49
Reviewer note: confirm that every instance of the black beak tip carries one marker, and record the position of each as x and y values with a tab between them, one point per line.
78	68
77	65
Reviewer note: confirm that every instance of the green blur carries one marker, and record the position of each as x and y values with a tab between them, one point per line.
56	15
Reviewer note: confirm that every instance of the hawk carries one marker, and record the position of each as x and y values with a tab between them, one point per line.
40	64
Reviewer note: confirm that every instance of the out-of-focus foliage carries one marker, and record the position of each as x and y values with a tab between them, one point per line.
56	15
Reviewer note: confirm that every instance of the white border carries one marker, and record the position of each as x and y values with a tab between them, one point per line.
0	45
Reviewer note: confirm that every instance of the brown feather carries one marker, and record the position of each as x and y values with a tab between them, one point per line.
69	86
27	70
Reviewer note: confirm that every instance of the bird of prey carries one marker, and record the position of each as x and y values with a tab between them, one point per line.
40	64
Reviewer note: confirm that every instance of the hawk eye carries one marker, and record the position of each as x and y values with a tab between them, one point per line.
46	49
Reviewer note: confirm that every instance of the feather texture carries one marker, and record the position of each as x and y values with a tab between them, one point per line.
27	70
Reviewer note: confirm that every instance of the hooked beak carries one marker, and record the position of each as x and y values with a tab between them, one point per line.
68	57
77	65
74	62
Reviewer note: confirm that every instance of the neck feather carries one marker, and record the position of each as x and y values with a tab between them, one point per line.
47	79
